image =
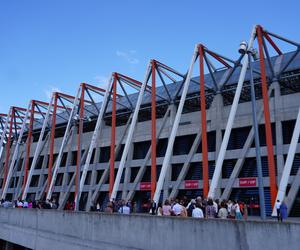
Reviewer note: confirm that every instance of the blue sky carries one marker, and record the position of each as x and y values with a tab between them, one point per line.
55	45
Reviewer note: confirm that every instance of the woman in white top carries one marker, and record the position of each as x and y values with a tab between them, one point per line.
238	214
159	210
197	212
223	213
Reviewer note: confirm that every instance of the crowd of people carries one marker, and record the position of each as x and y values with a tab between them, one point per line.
48	204
196	208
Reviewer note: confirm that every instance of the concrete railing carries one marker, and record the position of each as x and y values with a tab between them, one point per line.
52	229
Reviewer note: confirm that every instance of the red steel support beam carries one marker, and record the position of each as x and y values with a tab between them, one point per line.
80	127
71	97
15	129
18	123
94	88
130	79
218	58
65	95
203	124
19	116
46	104
272	43
133	81
153	130
28	145
163	65
41	102
268	130
113	136
19	109
51	159
7	149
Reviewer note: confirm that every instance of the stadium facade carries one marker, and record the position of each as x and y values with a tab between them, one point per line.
173	134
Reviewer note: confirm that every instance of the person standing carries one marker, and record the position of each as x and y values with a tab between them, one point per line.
129	204
190	207
54	204
98	207
199	201
223	213
19	204
197	212
283	211
124	209
177	208
152	208
230	210
166	209
109	208
159	209
210	209
25	204
277	206
238	214
216	205
183	209
134	207
30	204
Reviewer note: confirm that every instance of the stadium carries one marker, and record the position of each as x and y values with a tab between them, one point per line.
226	128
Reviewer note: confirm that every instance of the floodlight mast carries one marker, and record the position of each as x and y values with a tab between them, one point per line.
153	128
221	156
257	143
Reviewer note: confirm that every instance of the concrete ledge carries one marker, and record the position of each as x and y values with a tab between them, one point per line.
52	229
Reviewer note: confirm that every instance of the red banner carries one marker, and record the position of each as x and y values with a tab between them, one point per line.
145	186
247	182
191	184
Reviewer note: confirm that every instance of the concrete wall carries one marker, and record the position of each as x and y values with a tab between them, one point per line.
51	229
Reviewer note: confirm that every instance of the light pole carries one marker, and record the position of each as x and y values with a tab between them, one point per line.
252	53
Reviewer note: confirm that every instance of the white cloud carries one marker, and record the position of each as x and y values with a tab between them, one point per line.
48	92
128	56
121	53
